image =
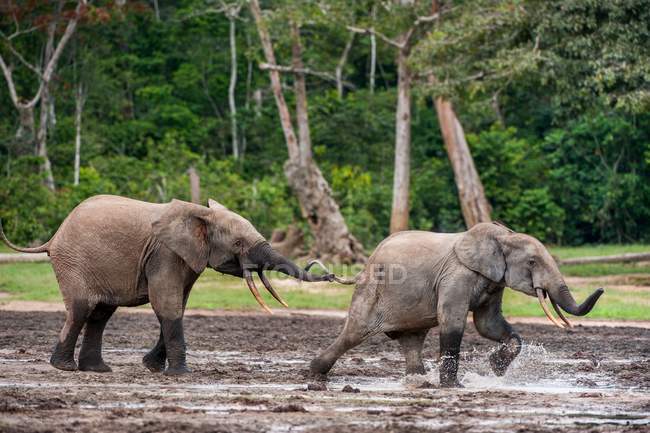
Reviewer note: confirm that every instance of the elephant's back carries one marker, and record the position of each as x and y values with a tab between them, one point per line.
413	248
106	219
101	242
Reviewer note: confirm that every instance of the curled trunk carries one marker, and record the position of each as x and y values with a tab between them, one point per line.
564	299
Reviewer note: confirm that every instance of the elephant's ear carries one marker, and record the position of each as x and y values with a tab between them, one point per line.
479	250
215	205
183	229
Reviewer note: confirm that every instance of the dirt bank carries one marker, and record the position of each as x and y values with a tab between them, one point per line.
250	375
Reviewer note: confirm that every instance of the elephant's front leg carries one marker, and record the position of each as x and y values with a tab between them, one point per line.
490	323
452	316
155	359
167	299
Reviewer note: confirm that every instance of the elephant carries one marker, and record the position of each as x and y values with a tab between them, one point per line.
416	280
113	251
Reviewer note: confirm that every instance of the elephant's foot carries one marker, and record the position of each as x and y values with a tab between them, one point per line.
64	364
154	363
450	383
97	366
319	367
177	371
501	359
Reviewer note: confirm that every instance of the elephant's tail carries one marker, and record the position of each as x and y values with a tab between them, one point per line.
42	249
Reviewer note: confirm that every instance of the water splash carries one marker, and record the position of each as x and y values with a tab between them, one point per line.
534	370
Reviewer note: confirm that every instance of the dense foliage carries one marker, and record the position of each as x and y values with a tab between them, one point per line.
566	156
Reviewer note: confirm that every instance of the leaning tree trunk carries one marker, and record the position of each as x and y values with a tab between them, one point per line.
399	219
333	240
471	195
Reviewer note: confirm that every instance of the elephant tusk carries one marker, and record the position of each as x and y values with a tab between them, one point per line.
542	302
251	285
270	288
560	314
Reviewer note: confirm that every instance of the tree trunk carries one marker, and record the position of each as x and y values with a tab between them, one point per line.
156	10
26	133
333	241
288	242
232	87
79	106
276	84
300	91
471	195
373	53
41	140
399	219
257	98
195	185
341	64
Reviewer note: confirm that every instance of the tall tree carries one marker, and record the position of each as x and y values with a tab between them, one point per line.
403	43
471	195
80	100
232	13
333	240
43	73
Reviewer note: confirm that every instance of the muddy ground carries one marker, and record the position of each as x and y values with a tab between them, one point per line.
249	374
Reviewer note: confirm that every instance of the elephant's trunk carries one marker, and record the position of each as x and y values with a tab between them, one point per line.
562	296
263	257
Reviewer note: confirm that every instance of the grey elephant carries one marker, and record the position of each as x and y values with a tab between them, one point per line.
417	280
113	251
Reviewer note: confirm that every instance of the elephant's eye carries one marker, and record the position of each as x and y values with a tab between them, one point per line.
237	243
531	262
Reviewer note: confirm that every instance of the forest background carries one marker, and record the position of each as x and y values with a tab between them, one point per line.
552	98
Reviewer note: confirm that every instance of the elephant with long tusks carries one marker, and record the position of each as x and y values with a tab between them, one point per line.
113	251
417	280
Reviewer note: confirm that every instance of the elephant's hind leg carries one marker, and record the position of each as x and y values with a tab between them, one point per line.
411	343
90	355
77	312
352	335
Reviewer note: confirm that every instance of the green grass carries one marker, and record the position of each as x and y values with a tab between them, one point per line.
597	250
614	304
597	270
36	282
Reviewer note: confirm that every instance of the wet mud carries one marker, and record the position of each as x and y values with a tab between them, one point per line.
250	374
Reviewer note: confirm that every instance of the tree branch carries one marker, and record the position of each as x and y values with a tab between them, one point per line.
69	30
20	58
381	36
10	81
307	71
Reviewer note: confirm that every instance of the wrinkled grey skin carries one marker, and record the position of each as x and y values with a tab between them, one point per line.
113	251
418	280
